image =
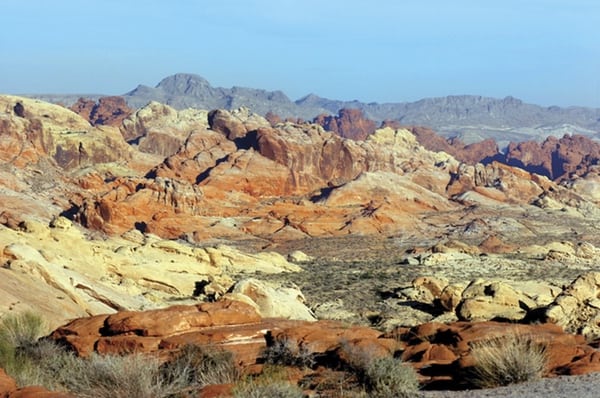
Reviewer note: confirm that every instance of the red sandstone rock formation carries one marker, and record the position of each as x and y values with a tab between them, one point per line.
349	123
212	174
232	167
473	153
439	352
108	111
555	158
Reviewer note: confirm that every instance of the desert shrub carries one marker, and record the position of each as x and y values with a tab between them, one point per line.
44	363
505	360
389	377
383	377
18	340
278	389
21	329
197	366
273	381
104	376
288	352
356	358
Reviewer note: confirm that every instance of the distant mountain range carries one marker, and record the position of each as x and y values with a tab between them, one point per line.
472	118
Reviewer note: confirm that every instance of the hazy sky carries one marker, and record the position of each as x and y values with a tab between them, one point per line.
541	51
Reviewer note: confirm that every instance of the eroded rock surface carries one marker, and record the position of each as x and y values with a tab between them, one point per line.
348	123
555	158
74	275
109	111
442	352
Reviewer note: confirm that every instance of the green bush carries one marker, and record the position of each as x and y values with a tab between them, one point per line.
389	377
505	360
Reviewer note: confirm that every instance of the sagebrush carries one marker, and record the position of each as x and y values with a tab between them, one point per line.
197	366
389	377
289	352
504	360
273	381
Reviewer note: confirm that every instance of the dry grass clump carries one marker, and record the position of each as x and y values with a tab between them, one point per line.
279	389
141	376
389	377
21	329
195	367
272	382
112	376
504	360
22	356
382	377
288	352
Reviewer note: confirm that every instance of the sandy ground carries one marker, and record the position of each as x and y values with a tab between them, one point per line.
587	386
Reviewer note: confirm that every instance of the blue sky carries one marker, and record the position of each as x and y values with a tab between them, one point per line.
541	51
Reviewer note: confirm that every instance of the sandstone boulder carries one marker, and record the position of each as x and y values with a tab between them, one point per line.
129	331
7	383
8	389
37	392
577	308
272	301
160	129
235	124
298	256
483	299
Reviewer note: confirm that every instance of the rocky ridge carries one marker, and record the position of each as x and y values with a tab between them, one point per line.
571	155
188	90
471	118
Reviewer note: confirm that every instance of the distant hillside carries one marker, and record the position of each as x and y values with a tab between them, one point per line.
471	118
191	91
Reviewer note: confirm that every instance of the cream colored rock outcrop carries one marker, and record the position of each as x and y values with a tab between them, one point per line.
62	274
272	301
